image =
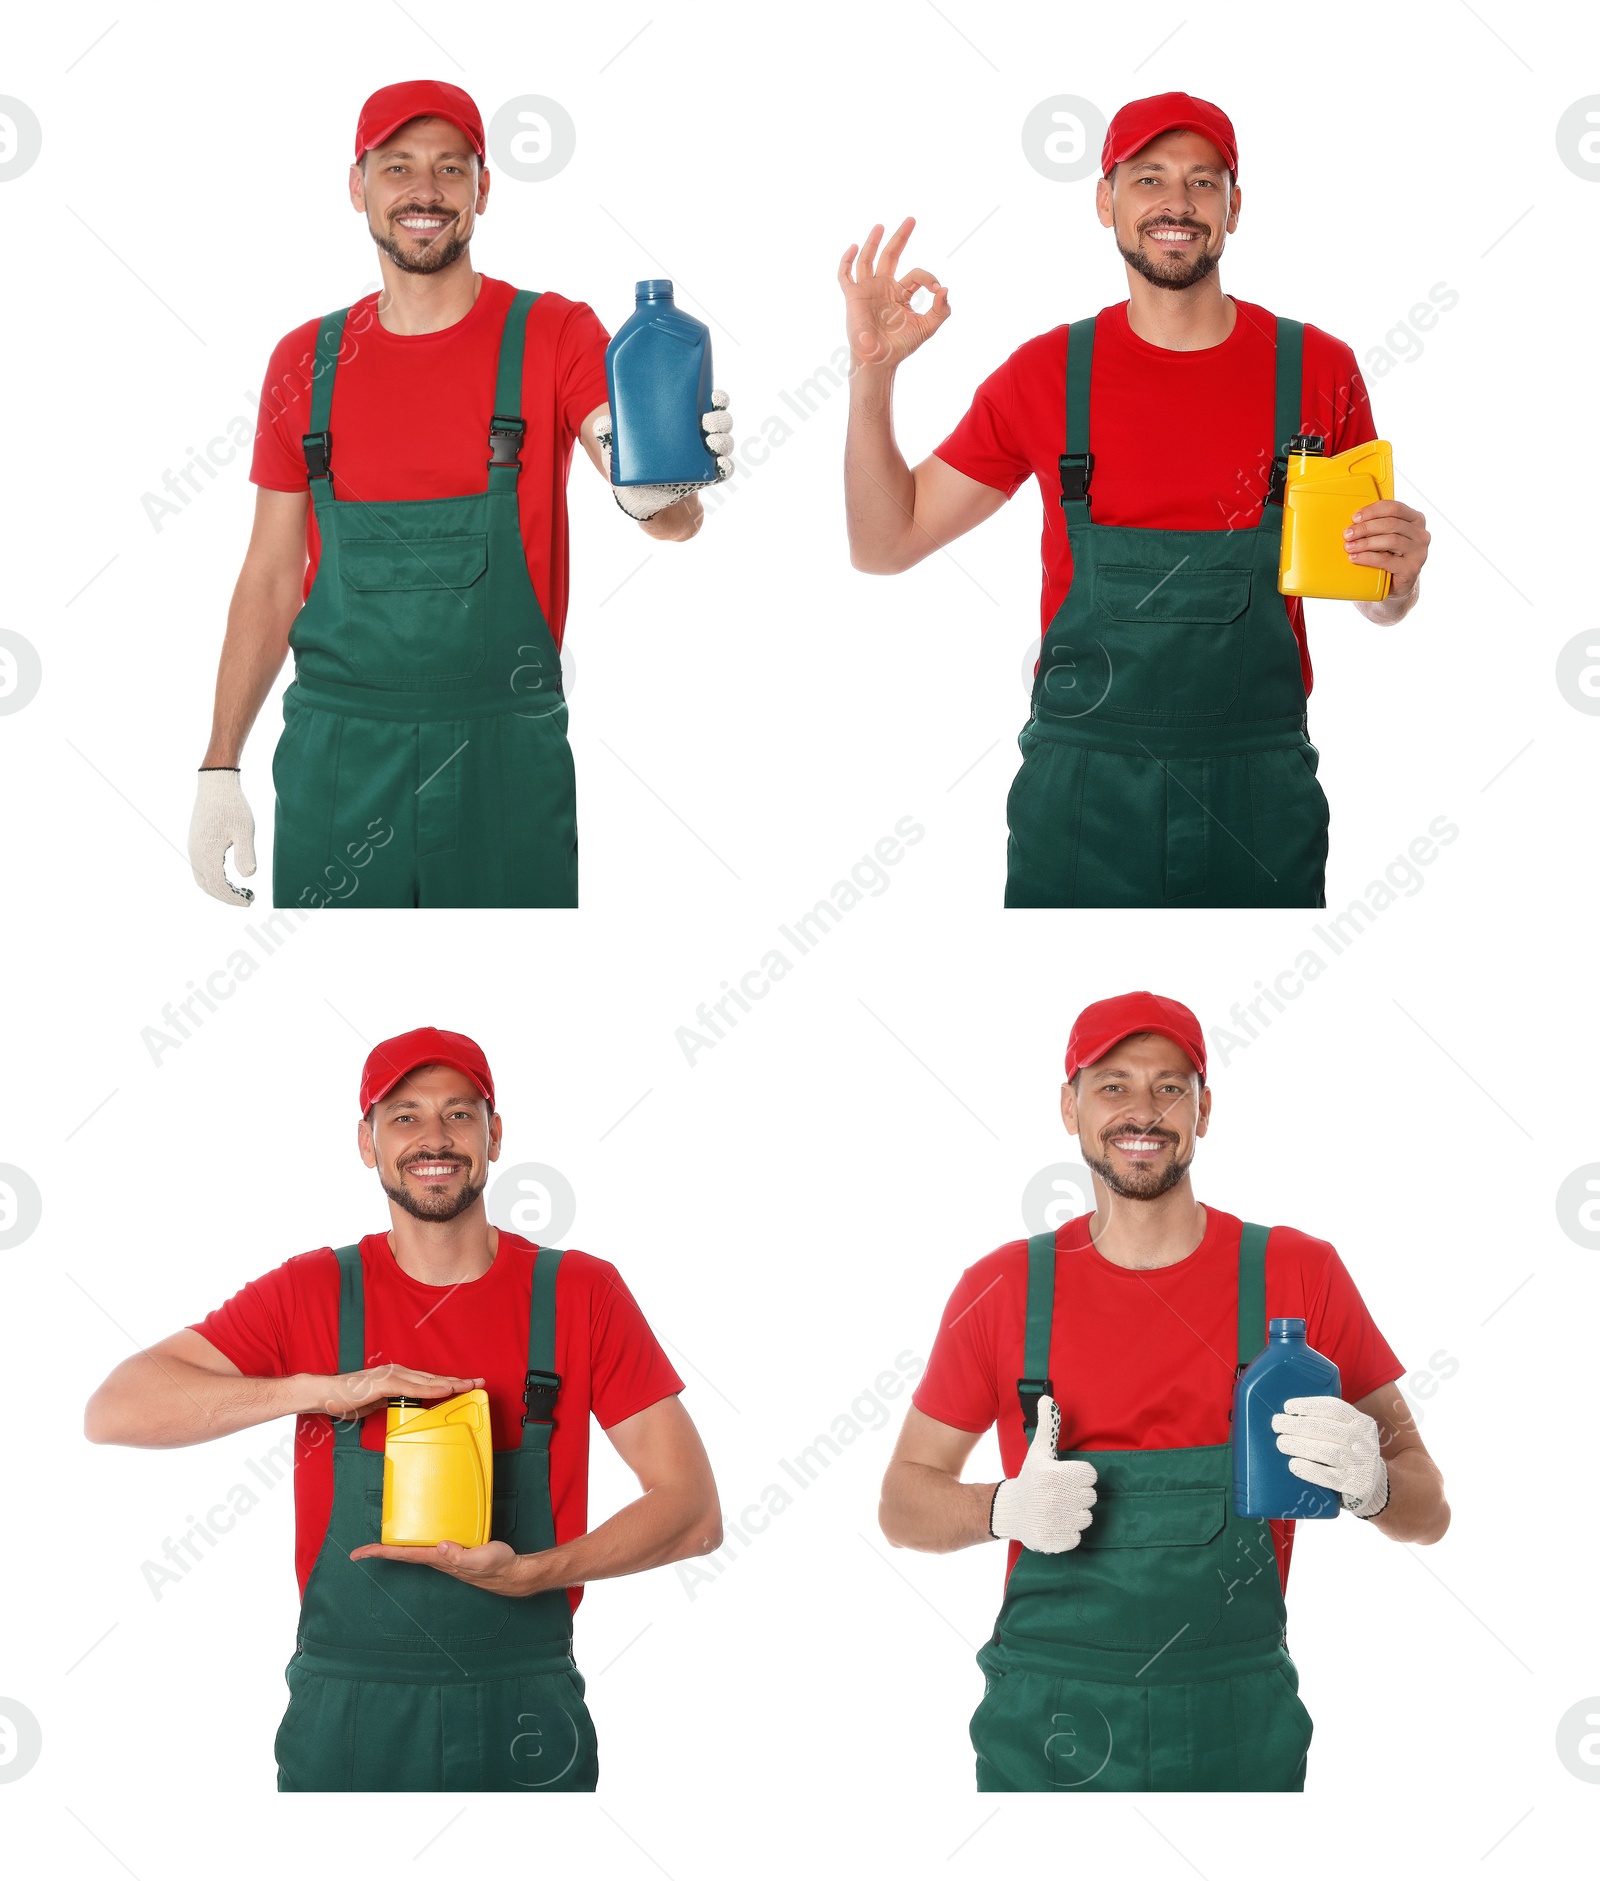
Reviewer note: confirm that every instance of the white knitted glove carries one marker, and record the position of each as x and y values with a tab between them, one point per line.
1046	1507
221	821
642	500
1332	1444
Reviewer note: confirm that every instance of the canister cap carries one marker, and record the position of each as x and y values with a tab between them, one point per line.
1286	1328
1308	444
653	290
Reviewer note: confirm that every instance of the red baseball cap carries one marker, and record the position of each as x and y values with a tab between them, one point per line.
1146	119
1109	1021
385	111
389	1062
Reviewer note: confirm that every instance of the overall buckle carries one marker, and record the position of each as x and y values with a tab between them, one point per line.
539	1397
1030	1391
318	446
1077	467
505	441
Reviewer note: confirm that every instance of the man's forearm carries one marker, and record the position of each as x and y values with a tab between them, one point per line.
880	487
154	1401
668	1523
253	651
935	1513
1416	1509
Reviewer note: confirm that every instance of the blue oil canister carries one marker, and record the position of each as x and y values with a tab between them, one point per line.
1263	1483
658	381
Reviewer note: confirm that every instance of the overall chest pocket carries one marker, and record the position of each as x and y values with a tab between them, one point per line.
414	1604
1146	1574
1174	638
415	606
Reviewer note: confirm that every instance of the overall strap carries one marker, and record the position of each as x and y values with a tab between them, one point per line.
506	427
1252	1292
1036	1383
1077	462
317	444
352	1337
1289	348
543	1384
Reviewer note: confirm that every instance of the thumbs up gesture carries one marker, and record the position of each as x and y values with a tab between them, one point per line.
1046	1507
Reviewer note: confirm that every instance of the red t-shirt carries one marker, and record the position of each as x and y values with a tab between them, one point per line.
411	411
1180	440
608	1358
1141	1359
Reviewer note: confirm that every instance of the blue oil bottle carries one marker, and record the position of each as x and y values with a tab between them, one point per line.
1263	1483
658	380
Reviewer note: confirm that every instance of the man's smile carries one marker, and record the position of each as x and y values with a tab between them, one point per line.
1172	237
1138	1146
423	221
432	1170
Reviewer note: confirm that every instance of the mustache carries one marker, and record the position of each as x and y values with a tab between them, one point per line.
1174	222
1155	1132
436	1156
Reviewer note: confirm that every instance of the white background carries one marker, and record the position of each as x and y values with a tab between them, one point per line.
749	717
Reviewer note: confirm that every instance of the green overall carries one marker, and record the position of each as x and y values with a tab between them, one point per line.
406	1679
1165	763
424	759
1151	1656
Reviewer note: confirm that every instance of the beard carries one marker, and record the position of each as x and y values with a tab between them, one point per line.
1170	270
445	248
1141	1183
435	1204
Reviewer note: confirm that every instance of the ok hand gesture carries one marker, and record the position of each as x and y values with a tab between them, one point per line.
880	323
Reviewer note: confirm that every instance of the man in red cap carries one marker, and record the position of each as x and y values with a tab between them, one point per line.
1165	760
410	545
1141	1642
450	1667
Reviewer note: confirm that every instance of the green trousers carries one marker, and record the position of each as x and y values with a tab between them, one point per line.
1108	829
437	813
1037	1730
531	1732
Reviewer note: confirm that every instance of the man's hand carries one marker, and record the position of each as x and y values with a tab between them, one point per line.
222	821
1045	1507
1332	1444
1389	535
641	501
354	1394
495	1567
880	324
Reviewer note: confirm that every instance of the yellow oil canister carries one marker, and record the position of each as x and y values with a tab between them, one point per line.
1320	497
438	1472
